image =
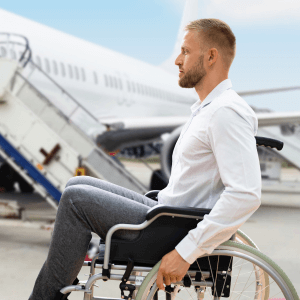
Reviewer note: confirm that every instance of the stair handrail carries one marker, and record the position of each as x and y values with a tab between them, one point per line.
26	44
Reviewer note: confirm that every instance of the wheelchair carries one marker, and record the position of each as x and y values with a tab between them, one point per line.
235	269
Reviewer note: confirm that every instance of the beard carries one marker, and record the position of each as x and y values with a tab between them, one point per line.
194	75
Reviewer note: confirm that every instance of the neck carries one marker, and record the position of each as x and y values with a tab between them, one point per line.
208	83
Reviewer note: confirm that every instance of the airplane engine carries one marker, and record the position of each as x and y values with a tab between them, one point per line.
160	178
287	129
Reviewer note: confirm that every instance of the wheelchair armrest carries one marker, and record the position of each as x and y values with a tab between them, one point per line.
152	194
183	211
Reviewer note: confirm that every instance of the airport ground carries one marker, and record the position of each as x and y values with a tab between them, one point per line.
274	227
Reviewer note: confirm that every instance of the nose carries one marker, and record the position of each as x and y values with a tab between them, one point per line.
178	60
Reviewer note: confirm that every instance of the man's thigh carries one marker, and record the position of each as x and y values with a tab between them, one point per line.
111	187
100	209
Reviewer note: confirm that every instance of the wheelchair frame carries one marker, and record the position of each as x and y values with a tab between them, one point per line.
249	252
134	275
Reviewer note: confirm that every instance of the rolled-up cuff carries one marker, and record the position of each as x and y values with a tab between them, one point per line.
188	250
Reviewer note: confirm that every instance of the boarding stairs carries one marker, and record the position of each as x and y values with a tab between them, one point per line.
43	132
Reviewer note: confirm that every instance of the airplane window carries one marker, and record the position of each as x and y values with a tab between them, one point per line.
38	61
142	89
133	87
83	74
55	69
120	84
76	73
95	78
128	86
47	65
63	70
138	88
105	79
152	91
70	71
3	52
115	82
111	84
13	54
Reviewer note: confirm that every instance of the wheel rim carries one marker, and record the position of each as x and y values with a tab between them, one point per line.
249	280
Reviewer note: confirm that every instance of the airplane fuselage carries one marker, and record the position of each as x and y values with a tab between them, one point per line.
108	84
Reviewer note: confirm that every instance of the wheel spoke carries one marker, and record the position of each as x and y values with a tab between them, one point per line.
248	278
226	277
203	278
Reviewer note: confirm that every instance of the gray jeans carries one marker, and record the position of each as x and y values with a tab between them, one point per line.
86	205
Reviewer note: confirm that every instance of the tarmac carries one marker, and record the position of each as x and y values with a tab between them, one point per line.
274	227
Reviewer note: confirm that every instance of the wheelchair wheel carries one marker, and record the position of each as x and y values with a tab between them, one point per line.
230	273
241	237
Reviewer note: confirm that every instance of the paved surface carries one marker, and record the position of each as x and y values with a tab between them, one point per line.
274	227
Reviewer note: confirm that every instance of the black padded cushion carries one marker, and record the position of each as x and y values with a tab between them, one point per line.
182	210
159	238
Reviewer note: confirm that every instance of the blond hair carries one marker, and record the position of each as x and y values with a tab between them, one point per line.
216	34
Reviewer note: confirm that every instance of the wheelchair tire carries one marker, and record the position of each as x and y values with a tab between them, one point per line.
281	286
241	237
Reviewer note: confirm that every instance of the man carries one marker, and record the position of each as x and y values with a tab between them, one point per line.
215	150
215	162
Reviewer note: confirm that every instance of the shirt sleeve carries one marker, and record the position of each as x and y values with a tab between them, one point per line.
231	138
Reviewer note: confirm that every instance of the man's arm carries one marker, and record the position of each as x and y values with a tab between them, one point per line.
232	141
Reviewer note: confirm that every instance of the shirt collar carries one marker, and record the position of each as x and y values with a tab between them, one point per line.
217	91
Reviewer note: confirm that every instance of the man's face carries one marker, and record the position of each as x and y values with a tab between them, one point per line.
190	61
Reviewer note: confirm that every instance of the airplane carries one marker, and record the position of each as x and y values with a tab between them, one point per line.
135	103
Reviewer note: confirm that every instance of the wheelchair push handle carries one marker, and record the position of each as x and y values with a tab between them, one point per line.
267	142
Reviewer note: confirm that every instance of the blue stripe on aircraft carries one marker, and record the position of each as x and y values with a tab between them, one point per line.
31	170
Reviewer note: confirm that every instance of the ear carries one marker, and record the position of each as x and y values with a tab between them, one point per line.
213	56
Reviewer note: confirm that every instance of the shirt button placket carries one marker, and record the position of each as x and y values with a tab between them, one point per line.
193	115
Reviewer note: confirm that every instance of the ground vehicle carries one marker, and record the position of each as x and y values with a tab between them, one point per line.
235	268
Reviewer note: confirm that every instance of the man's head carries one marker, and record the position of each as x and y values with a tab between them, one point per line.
208	49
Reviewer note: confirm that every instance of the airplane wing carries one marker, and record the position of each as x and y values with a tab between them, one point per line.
129	132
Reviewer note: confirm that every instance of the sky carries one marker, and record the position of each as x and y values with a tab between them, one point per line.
267	35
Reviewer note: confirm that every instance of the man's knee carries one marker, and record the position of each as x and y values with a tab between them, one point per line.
78	194
76	180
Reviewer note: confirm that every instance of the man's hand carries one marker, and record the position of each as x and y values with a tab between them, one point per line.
172	269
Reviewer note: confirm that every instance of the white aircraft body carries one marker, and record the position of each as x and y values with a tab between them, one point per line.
137	101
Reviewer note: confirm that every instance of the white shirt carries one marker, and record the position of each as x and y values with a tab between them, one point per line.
215	165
